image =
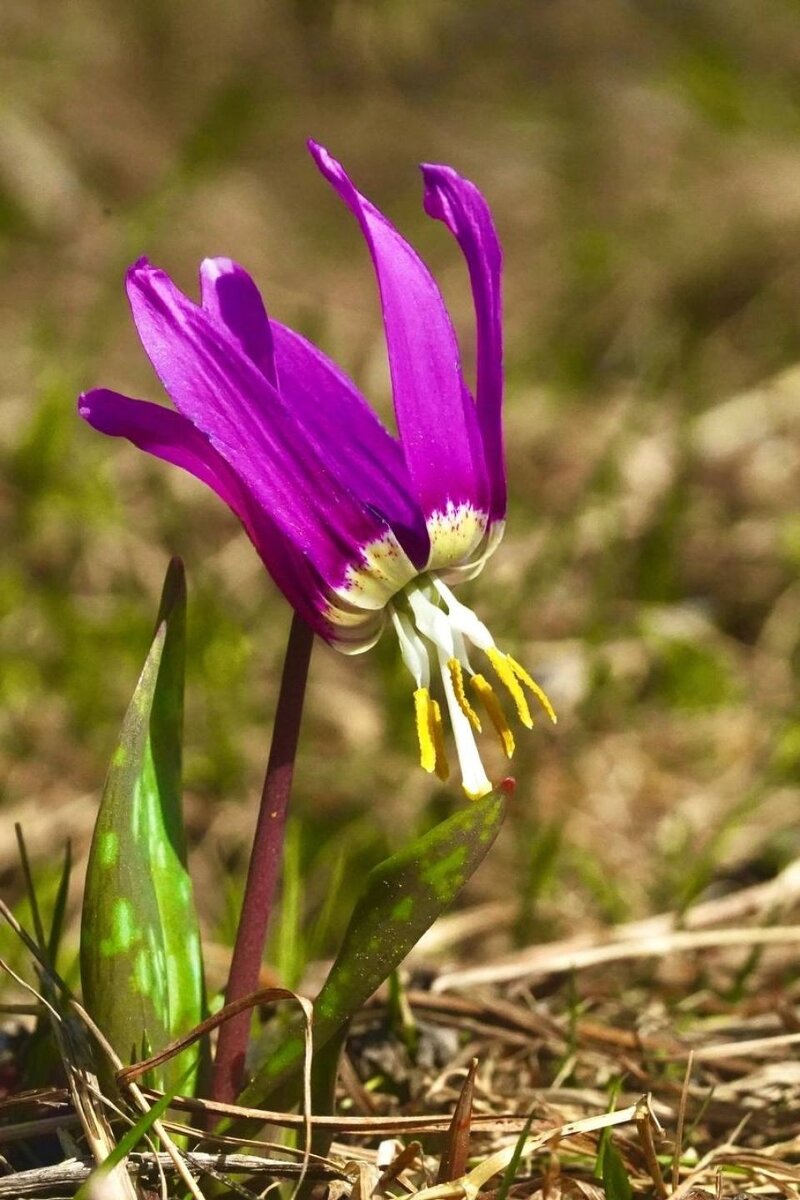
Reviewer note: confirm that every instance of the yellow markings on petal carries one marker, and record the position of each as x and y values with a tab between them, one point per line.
428	718
442	765
506	675
484	689
539	693
457	676
455	534
381	570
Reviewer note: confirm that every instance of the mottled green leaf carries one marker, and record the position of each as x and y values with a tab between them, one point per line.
324	1073
400	900
141	965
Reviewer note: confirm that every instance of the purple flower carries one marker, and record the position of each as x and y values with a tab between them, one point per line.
359	529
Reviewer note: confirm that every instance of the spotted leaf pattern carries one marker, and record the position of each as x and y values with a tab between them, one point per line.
141	964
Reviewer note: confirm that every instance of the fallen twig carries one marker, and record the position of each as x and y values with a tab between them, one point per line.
43	1180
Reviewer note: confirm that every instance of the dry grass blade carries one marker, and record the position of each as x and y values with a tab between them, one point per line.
266	995
406	1158
486	1122
678	1151
269	995
553	960
367	1180
141	1102
645	1124
228	1143
760	899
456	1152
468	1186
76	1059
23	1130
762	1045
47	1180
351	1083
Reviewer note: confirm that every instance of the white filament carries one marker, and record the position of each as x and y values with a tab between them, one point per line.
473	776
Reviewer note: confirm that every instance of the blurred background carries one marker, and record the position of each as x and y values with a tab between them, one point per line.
642	160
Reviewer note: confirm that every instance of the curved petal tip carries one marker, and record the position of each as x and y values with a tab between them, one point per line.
330	167
142	264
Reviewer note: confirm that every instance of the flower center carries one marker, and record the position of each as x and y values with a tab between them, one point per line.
434	631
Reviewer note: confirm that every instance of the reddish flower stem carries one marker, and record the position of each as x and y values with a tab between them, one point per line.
265	864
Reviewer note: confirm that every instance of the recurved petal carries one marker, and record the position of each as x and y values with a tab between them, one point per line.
298	481
436	420
458	203
164	434
171	437
230	295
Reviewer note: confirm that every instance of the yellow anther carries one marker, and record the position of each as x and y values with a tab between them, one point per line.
505	673
484	689
457	676
437	735
428	718
422	715
538	692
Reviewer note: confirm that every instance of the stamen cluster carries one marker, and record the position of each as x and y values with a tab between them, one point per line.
434	630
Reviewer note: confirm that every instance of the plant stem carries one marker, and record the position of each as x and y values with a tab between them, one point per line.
265	864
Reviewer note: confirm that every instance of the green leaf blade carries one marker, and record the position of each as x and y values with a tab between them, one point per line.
400	900
141	966
616	1184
